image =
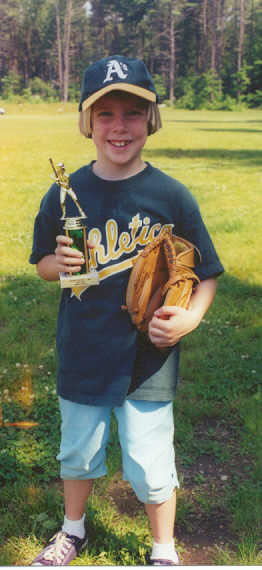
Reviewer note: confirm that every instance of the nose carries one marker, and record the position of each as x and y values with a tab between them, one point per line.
119	123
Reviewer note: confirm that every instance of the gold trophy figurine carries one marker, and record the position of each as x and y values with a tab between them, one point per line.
75	229
62	178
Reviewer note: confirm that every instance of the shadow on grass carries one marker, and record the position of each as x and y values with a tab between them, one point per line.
222	356
231	130
105	545
220	361
245	157
214	120
28	309
103	539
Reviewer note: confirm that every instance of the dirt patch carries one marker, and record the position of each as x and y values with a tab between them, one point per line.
123	497
202	534
198	537
203	524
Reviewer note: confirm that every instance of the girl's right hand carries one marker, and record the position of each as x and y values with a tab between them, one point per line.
68	260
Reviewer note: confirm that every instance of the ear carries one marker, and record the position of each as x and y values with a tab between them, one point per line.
85	126
154	122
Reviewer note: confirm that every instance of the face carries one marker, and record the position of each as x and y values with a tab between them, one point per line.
119	131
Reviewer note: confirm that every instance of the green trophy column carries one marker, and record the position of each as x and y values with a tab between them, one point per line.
75	229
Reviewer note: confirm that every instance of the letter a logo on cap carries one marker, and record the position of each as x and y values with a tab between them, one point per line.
115	67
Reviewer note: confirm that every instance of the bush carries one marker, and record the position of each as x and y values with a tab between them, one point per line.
205	92
255	99
187	101
10	85
160	86
73	93
42	89
38	90
199	91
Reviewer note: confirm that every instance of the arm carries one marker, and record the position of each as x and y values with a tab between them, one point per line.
170	324
64	260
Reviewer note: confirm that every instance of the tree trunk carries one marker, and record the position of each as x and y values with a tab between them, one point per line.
202	59
241	34
221	42
214	37
172	54
27	57
240	41
67	33
13	49
59	50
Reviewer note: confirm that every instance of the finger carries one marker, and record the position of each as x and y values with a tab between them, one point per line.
156	341
69	269
63	240
160	343
64	251
157	335
168	311
66	240
163	343
166	336
70	261
159	325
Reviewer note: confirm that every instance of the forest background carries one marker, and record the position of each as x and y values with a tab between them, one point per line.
202	54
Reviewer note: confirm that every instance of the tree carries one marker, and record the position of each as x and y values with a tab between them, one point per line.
196	45
172	53
63	48
240	42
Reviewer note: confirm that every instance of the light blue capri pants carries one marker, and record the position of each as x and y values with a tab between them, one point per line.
146	432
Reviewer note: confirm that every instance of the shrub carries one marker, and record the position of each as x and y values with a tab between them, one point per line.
160	86
10	85
12	89
199	91
73	93
255	99
42	89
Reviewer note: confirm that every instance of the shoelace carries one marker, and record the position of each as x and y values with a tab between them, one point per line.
59	548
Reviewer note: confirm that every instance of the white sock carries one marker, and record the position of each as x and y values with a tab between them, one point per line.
165	551
76	528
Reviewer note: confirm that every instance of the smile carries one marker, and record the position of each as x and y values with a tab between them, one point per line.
119	144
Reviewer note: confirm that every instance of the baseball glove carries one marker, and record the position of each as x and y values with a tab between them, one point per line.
162	275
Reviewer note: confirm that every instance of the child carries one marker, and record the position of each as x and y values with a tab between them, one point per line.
104	363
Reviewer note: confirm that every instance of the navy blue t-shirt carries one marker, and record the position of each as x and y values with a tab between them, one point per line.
101	357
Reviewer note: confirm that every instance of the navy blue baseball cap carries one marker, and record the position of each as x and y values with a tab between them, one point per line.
116	73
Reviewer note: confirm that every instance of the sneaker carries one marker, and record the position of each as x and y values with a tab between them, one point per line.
164	562
60	550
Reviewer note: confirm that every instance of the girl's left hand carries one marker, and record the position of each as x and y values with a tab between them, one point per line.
170	324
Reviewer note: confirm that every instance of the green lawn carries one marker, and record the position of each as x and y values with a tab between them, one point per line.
218	155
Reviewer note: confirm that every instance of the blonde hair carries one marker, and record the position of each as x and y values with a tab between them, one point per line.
154	122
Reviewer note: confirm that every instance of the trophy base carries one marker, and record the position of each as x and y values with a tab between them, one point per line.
86	280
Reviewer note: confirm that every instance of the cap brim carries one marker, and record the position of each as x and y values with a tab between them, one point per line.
128	87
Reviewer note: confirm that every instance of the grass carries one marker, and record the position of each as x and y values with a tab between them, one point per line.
218	155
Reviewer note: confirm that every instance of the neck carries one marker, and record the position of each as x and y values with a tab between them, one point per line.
117	172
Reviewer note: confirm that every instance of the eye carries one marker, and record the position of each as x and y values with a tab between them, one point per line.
135	112
104	114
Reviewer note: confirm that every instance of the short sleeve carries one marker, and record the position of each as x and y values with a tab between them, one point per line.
47	226
193	228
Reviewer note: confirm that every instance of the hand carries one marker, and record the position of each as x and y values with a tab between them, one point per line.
170	324
68	260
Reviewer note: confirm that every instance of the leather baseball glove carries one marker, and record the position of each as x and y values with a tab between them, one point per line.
162	275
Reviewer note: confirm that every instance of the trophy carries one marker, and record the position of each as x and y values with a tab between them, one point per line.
75	228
